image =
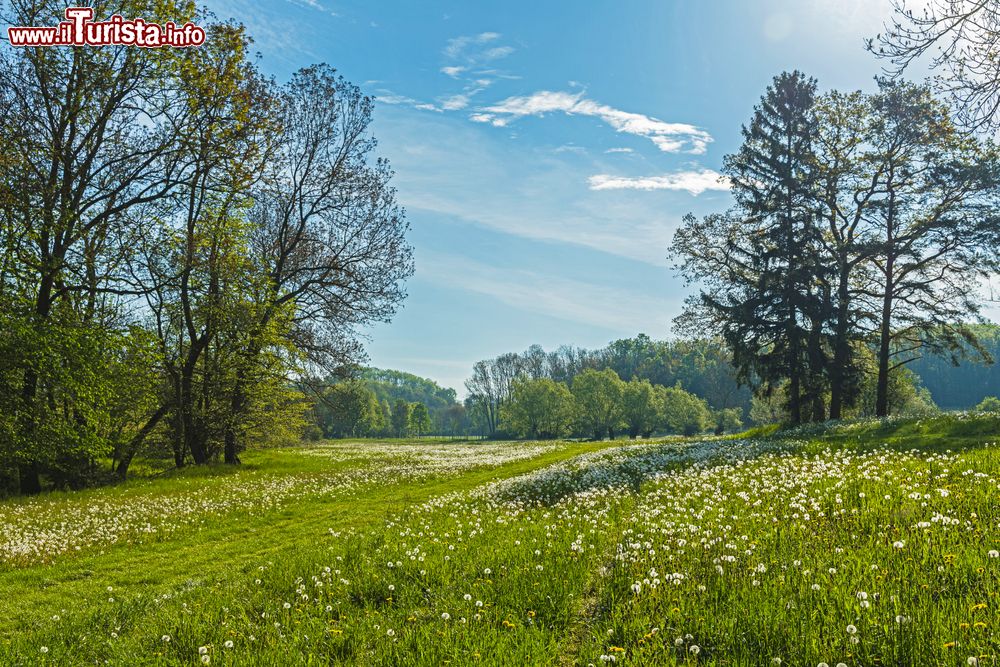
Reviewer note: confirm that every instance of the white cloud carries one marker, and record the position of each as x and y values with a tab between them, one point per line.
387	97
457	46
456	102
619	150
315	4
668	137
497	52
470	56
694	182
536	194
487	118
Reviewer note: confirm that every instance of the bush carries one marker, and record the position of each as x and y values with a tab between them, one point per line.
989	404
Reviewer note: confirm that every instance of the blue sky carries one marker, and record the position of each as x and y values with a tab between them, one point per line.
546	151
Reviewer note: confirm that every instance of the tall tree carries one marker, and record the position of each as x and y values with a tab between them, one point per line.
849	178
759	265
420	419
484	394
540	408
327	231
196	268
400	417
598	397
641	407
94	141
934	224
683	412
346	409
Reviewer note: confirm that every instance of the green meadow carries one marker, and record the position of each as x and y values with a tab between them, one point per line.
864	543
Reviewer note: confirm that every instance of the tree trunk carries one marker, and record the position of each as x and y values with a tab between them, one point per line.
818	408
841	348
29	481
133	445
192	436
236	407
817	367
884	353
232	450
795	397
121	470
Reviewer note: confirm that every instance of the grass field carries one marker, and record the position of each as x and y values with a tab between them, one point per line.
861	544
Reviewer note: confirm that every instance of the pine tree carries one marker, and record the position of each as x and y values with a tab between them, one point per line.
775	322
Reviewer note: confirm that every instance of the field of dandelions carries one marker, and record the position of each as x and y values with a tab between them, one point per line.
862	544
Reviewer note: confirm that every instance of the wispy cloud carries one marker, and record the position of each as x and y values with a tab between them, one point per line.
470	61
497	52
457	102
668	137
694	182
314	4
471	47
540	194
388	97
470	55
551	295
619	150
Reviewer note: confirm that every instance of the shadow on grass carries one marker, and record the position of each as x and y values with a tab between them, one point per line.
955	432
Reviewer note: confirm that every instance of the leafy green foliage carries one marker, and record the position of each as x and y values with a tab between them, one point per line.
400	419
684	413
959	387
420	419
989	404
184	254
700	366
728	420
540	408
642	407
598	396
389	385
347	409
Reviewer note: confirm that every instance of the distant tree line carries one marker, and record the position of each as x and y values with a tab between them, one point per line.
862	226
375	402
964	386
699	369
181	239
600	404
681	387
445	413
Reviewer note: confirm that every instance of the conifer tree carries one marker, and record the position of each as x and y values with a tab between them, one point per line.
766	287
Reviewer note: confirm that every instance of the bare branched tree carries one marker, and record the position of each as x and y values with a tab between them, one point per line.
960	40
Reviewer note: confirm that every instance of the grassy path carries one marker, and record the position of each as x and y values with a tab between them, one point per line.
209	555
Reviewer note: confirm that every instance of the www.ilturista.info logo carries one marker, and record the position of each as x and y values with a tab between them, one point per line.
79	29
